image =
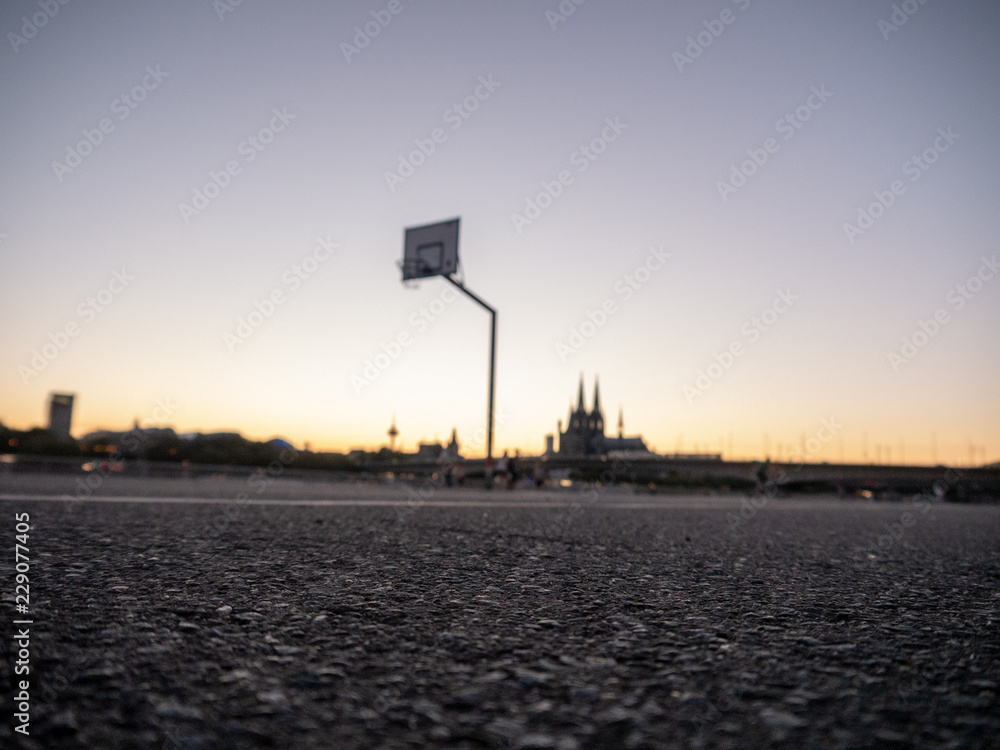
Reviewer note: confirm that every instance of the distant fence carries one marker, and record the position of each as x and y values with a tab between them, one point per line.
981	483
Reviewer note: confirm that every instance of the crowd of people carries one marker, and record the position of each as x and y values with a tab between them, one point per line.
505	474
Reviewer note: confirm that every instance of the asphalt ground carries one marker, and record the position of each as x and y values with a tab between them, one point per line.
361	617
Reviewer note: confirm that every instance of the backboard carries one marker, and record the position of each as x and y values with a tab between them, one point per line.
430	250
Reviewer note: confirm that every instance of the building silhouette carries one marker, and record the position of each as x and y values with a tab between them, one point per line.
61	414
584	434
622	444
437	452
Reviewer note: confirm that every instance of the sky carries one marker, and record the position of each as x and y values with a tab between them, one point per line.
762	225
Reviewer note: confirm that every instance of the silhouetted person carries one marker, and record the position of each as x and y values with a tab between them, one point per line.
540	475
502	469
761	474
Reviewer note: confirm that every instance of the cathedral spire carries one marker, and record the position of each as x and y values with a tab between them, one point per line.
621	423
579	398
597	396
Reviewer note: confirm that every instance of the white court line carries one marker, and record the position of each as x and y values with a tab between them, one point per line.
718	503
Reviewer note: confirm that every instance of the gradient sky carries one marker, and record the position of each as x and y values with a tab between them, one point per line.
683	128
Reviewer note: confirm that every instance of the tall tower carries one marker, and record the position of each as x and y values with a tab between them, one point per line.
61	414
621	423
393	433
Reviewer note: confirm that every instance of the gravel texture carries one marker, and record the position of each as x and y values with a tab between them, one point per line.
584	623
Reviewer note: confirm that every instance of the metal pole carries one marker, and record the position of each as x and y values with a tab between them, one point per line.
493	365
493	373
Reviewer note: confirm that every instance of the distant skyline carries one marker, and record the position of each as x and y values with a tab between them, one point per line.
809	448
753	221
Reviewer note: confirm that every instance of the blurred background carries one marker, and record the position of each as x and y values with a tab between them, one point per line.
203	205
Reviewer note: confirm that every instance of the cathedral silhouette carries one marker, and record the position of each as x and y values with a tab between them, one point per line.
584	435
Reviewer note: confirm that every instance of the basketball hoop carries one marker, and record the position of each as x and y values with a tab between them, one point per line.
432	250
